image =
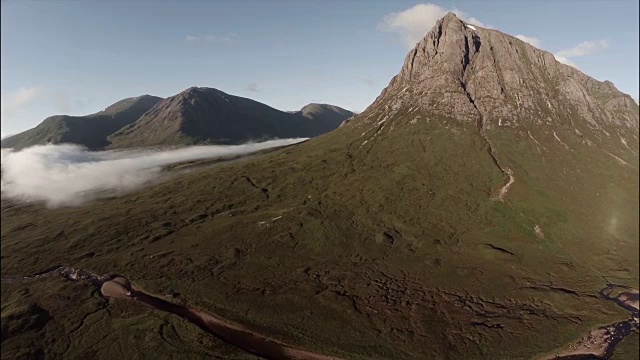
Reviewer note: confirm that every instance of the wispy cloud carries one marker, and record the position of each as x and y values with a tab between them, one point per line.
583	49
565	56
414	23
226	38
15	104
565	60
14	101
24	106
531	40
67	175
253	87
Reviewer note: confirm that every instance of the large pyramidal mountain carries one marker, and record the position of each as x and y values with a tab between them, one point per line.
500	82
210	116
473	211
90	130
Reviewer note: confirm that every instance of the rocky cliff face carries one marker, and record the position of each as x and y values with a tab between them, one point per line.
558	147
484	76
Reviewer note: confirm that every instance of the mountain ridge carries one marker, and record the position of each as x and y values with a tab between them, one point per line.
207	115
90	130
118	120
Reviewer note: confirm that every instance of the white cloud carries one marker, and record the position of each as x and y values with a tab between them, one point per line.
584	48
414	23
25	106
565	61
211	38
15	101
67	175
531	40
564	56
15	104
253	87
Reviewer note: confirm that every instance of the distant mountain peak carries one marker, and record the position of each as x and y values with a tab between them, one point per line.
197	91
90	130
203	115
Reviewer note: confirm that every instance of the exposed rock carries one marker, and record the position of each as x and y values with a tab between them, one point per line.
467	74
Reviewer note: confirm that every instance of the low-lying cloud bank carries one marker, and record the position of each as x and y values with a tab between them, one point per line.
67	175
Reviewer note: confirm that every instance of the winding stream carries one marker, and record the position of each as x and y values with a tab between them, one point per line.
234	334
599	343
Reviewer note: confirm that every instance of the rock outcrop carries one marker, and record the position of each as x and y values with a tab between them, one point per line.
482	75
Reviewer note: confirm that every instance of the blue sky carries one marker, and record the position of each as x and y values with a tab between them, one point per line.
77	57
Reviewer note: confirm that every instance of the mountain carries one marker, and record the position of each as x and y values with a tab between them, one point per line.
210	116
473	211
325	117
498	81
315	110
195	116
90	130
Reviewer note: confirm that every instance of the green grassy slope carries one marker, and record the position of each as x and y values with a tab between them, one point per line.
90	131
391	249
209	116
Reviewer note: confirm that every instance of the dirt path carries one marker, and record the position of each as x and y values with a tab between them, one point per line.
234	334
505	188
121	288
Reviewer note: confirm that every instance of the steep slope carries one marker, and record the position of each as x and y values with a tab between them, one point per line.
210	116
473	211
90	130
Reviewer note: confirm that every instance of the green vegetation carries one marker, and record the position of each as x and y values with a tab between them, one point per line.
210	116
392	237
396	254
82	325
90	131
628	349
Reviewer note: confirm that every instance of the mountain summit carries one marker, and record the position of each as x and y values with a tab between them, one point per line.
506	87
485	76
